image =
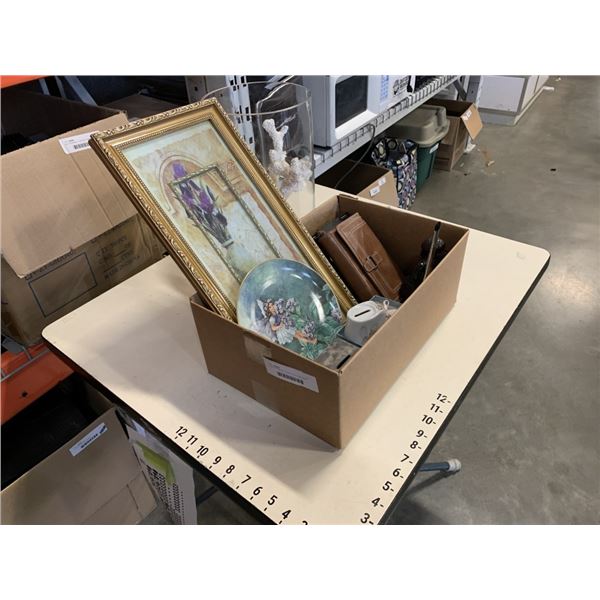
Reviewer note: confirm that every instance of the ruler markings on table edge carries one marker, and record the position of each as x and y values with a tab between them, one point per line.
378	510
271	501
374	512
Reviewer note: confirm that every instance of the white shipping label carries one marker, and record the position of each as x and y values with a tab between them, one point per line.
374	191
433	149
90	438
77	143
291	375
381	182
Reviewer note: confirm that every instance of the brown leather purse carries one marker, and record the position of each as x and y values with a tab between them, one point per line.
360	259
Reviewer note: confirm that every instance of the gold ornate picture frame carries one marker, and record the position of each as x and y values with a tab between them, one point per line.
209	200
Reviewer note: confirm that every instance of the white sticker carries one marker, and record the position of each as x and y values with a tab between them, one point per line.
374	191
91	437
77	143
433	149
291	375
381	181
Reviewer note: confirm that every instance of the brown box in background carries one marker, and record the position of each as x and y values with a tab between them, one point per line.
95	478
68	231
366	181
464	122
43	296
138	106
333	404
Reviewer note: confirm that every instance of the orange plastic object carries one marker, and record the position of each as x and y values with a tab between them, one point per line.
26	376
8	80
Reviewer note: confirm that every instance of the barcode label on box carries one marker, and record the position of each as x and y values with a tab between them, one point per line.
374	191
90	438
381	181
291	375
76	143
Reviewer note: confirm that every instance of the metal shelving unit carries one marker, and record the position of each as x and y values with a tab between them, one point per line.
27	374
325	158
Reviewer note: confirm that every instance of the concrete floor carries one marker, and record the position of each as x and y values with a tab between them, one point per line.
528	433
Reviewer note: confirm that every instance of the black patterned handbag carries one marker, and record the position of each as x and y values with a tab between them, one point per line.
400	157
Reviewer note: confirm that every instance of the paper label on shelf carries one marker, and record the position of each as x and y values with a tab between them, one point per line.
374	191
90	438
291	375
381	182
433	149
76	143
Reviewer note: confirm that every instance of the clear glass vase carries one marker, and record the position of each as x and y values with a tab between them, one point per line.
275	120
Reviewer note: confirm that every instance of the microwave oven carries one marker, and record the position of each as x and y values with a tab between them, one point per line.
343	104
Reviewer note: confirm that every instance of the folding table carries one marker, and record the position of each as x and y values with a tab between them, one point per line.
138	343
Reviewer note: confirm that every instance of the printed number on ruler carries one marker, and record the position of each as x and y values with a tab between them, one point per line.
255	493
426	426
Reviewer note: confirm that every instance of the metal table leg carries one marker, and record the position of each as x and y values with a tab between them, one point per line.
452	465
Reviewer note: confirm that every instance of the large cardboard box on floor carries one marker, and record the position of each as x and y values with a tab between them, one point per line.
94	478
366	181
464	122
333	404
68	231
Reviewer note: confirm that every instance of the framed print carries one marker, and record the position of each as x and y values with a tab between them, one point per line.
210	201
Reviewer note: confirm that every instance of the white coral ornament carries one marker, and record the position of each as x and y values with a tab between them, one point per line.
289	177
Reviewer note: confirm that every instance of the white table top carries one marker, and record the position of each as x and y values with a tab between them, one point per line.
139	341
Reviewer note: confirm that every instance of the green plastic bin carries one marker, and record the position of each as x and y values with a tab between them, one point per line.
426	126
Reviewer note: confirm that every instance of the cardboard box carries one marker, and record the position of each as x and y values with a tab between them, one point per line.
44	295
138	106
95	478
333	404
68	231
366	181
464	122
